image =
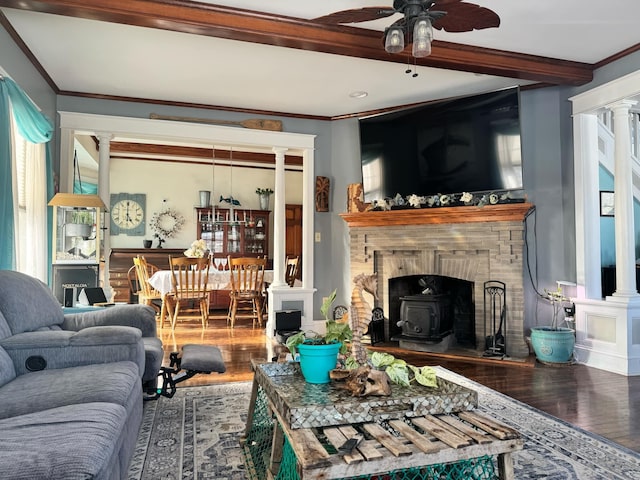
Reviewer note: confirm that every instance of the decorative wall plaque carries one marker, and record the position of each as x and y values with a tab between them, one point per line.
322	194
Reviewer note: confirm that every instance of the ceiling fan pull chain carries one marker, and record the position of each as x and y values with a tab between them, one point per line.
415	68
408	70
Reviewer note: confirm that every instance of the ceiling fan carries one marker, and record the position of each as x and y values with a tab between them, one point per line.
416	26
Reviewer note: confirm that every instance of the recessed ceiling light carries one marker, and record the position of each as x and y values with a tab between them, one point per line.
358	94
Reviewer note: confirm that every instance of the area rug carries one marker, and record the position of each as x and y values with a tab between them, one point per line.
195	435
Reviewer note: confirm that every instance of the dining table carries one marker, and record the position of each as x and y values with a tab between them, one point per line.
162	280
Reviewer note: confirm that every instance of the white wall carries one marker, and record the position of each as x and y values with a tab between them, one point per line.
180	183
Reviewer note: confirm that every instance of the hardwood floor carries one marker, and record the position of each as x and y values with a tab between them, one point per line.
601	402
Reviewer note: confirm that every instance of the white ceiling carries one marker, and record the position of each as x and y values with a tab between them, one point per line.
96	57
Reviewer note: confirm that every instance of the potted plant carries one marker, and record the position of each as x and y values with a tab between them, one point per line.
319	353
263	196
553	344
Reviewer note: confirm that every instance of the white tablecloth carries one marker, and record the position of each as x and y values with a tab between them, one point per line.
218	280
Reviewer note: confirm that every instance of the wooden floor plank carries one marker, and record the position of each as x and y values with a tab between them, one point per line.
601	402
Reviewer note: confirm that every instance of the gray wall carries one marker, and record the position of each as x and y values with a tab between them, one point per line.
22	71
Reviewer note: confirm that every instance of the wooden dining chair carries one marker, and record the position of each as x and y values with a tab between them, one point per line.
247	289
291	270
147	295
190	294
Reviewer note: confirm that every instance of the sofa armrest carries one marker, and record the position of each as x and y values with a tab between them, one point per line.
142	317
62	349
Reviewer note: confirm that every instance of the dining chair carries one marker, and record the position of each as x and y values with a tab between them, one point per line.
190	294
147	295
247	288
291	270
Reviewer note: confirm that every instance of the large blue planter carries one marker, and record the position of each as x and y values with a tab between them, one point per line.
316	361
553	345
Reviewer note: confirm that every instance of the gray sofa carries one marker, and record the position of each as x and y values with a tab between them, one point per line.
70	386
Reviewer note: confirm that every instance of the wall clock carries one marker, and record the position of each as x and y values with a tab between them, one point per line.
127	213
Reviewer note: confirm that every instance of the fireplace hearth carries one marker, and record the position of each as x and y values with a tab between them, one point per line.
431	312
470	244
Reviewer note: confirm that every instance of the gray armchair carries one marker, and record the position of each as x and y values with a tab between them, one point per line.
33	330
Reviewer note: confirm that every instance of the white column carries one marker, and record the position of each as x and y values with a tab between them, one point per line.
308	209
104	191
585	146
623	200
279	220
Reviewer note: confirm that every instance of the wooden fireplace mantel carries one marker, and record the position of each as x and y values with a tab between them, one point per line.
507	212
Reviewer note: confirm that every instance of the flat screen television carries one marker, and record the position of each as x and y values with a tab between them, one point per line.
467	144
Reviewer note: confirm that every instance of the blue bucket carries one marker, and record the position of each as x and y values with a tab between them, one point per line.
553	345
316	361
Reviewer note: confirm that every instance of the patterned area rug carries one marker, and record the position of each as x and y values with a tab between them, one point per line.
195	434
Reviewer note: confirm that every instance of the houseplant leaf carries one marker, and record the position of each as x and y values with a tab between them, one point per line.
425	376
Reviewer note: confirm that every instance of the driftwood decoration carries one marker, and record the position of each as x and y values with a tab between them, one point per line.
355	198
254	123
361	313
322	194
363	381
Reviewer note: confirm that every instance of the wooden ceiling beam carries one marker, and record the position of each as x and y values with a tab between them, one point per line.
130	148
249	26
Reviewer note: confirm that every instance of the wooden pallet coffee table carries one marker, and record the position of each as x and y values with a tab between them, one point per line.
395	438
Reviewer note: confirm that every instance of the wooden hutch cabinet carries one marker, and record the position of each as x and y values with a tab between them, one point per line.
241	233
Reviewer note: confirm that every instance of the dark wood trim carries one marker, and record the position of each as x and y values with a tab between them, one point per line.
196	162
243	25
617	56
507	212
116	148
152	101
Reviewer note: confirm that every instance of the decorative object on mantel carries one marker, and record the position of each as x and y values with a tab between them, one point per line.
355	198
263	197
166	224
445	200
255	123
323	185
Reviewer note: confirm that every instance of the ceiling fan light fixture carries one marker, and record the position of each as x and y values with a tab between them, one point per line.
422	36
394	40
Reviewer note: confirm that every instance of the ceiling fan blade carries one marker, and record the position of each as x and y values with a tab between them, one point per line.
356	15
464	17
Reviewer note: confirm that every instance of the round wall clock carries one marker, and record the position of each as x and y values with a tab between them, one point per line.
128	213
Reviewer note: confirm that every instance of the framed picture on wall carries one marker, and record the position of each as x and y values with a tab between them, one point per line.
606	204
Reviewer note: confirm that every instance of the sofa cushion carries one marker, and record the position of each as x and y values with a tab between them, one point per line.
5	331
7	370
70	442
27	304
62	349
38	391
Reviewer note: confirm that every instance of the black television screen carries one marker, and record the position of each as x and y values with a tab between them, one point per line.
469	144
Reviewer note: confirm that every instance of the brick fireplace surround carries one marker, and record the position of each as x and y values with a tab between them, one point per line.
469	243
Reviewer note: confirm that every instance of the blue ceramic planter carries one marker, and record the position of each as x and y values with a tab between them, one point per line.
553	345
316	361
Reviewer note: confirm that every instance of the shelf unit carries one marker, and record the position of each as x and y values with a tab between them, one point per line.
239	233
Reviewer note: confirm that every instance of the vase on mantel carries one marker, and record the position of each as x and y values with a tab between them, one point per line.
264	201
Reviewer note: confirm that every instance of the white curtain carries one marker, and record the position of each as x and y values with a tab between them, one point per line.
30	197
